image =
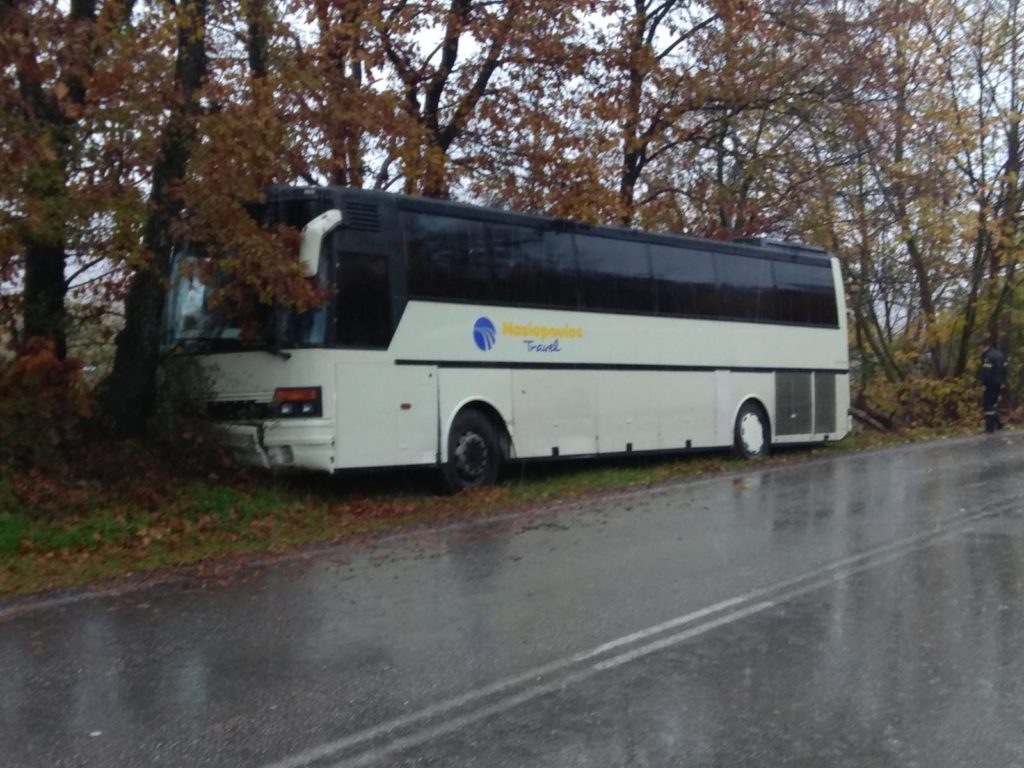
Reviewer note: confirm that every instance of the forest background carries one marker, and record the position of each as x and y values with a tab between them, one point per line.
885	131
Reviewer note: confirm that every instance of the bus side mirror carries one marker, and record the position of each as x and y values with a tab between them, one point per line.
313	235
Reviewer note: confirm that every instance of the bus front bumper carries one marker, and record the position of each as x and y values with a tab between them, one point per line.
297	444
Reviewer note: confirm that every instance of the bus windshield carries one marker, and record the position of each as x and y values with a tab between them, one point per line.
195	322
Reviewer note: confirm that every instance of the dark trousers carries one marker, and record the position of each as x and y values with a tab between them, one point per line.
988	403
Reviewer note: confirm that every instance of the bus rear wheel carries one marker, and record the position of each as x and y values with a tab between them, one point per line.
751	436
474	452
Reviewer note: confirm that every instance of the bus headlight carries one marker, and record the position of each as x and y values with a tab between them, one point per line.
297	402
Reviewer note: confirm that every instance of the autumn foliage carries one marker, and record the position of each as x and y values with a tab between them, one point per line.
43	403
885	131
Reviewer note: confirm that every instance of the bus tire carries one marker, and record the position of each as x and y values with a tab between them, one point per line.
474	452
752	436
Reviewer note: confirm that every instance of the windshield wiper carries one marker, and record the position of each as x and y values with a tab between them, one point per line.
197	343
209	343
277	352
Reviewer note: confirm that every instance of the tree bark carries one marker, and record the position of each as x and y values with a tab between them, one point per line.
258	21
971	309
345	70
632	148
43	293
430	159
43	239
129	393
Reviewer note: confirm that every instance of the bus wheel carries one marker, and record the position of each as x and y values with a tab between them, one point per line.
751	433
474	452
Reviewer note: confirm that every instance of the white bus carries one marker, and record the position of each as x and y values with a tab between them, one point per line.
464	337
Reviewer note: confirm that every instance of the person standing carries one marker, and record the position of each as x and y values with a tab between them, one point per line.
993	376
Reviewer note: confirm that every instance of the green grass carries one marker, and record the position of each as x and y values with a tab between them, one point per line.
14	528
191	522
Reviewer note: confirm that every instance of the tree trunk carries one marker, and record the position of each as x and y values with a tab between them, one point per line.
429	161
43	295
343	56
129	393
971	308
632	148
259	23
45	287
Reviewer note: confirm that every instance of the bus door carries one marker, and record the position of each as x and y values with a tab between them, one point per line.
386	413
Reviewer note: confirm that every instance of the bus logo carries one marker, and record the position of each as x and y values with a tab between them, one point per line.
484	333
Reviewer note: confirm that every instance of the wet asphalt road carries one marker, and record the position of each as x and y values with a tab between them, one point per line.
861	611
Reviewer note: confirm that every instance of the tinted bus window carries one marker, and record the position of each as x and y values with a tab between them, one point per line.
744	287
561	281
685	282
519	264
362	302
614	274
533	267
804	293
447	258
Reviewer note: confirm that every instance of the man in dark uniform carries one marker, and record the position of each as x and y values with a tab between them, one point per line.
993	376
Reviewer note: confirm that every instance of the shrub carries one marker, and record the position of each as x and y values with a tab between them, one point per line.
924	402
179	427
43	403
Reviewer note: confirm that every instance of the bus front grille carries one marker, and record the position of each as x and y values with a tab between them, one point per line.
238	410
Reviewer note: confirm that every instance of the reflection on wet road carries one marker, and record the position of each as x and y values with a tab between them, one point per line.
865	610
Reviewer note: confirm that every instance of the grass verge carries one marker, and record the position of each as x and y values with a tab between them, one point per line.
141	528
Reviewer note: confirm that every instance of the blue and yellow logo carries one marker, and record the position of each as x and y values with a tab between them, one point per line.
535	338
541	338
484	333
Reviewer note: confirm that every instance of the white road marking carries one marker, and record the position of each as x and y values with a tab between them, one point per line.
445	727
371	756
775	594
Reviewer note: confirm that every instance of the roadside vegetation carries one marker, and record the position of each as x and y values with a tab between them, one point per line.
126	513
886	132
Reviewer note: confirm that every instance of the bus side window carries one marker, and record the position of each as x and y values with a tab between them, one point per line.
518	263
614	274
805	294
825	311
561	278
684	281
745	287
794	296
533	267
447	258
362	304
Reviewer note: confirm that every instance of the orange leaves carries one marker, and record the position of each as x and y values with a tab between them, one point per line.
738	15
42	402
717	118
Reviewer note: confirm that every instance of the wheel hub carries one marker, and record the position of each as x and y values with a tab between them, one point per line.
752	433
471	455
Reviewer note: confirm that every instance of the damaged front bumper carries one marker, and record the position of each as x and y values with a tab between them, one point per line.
279	444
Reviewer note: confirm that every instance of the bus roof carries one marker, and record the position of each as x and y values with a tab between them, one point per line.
761	247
